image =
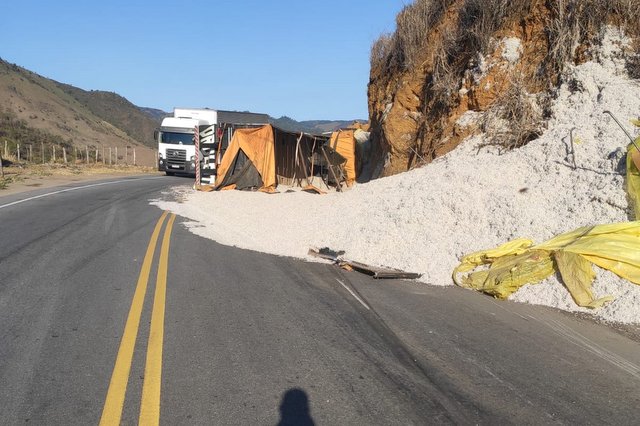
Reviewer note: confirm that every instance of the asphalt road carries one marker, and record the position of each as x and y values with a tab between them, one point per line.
227	336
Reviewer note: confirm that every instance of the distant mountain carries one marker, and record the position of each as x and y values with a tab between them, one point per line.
156	114
316	127
34	108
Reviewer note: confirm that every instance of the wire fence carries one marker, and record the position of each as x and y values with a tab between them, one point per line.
41	153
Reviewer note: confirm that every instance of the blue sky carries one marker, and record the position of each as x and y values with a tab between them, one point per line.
305	59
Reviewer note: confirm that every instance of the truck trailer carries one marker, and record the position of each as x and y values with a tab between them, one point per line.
175	138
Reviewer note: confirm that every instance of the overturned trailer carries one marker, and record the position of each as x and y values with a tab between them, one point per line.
263	158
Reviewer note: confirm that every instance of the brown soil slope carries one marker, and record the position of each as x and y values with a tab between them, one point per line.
499	59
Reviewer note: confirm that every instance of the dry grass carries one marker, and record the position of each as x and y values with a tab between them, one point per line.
404	48
571	23
29	170
579	22
516	118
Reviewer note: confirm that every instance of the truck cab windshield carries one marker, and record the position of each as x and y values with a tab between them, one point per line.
177	138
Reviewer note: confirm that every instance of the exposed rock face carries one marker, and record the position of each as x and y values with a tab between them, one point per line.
475	70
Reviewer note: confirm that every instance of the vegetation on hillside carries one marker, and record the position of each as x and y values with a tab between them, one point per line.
447	38
35	142
84	117
118	111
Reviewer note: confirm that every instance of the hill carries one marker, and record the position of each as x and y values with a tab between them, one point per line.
118	111
36	110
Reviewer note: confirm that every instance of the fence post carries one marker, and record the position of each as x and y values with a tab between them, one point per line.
31	153
18	153
6	149
116	155
54	154
42	151
103	162
134	156
64	153
1	168
86	149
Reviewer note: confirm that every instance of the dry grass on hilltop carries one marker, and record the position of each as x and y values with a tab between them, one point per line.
438	43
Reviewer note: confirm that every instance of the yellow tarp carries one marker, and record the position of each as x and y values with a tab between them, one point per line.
345	144
615	247
258	146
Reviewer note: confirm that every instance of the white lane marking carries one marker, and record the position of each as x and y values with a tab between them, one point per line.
75	188
354	295
578	339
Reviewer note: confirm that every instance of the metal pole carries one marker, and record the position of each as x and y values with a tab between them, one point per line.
196	139
633	141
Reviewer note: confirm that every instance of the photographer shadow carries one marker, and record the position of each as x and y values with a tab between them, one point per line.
294	409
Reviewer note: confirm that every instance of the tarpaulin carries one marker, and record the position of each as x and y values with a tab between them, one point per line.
503	270
344	143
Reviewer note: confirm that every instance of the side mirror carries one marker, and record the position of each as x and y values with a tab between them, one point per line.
155	136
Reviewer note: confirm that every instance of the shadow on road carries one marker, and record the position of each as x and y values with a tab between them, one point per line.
294	409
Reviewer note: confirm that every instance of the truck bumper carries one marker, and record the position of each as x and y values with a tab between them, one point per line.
187	168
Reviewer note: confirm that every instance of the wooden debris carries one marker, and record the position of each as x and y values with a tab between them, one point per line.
350	265
380	273
313	189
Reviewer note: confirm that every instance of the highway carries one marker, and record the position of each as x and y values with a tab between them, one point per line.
112	312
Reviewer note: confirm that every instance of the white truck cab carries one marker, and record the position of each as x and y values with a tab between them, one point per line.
175	137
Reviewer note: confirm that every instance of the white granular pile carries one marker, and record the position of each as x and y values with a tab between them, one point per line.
511	49
471	199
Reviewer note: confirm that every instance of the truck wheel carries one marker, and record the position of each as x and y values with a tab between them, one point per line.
170	173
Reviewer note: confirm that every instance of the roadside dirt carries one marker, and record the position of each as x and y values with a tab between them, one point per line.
26	178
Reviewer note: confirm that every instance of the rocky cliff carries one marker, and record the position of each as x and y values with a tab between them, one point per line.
454	67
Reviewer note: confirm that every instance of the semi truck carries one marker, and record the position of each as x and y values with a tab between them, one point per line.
175	138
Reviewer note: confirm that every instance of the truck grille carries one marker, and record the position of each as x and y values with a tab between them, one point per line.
176	158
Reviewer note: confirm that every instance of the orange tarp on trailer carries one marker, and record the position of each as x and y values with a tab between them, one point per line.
344	143
258	145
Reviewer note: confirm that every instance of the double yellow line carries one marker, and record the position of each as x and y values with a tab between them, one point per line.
150	404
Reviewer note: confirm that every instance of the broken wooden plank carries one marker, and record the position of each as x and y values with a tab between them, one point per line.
382	273
376	272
